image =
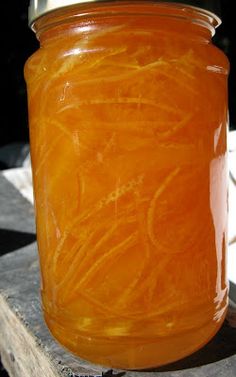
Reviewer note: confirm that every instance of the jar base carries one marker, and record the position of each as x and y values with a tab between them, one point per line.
133	354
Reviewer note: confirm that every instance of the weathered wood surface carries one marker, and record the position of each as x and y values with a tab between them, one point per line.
17	227
28	350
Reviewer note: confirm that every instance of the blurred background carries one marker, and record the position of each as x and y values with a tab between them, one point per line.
18	42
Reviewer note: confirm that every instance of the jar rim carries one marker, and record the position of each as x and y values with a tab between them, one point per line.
38	9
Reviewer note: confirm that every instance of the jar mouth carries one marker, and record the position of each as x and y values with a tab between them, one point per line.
197	14
82	8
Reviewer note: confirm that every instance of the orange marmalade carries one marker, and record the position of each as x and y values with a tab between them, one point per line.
128	117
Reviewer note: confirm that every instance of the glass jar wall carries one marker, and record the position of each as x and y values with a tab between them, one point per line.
128	117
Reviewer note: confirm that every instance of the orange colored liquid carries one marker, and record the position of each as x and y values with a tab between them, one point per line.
128	119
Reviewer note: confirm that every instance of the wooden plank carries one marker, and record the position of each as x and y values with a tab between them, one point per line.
20	352
16	213
17	226
27	348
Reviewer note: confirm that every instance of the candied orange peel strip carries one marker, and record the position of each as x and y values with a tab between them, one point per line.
113	253
152	207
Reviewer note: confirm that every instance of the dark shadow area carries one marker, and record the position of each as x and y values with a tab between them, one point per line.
11	240
232	290
3	372
222	346
108	373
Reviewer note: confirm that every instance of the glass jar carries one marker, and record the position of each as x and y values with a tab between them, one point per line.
128	117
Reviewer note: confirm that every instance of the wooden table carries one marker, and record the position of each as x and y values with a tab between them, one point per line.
28	350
